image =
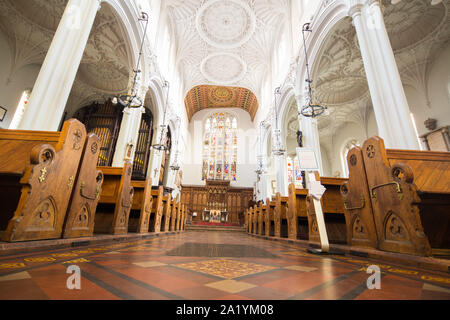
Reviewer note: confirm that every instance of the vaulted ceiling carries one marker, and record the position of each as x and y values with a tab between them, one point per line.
418	32
29	26
226	42
203	97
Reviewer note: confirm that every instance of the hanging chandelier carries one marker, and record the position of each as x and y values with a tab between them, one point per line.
310	109
131	99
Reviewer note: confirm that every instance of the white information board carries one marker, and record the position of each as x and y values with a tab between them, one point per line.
307	159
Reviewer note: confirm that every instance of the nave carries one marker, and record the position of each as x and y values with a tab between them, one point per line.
209	266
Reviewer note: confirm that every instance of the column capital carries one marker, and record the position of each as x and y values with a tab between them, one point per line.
355	10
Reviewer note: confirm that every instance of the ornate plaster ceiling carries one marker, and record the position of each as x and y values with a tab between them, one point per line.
205	96
417	30
226	42
30	25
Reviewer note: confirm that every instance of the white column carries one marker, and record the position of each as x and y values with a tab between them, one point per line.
310	130
156	158
128	135
54	82
388	96
280	164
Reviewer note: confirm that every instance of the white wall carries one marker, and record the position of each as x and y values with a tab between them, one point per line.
438	91
22	79
247	148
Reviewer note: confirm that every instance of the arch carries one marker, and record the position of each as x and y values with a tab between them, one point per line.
324	22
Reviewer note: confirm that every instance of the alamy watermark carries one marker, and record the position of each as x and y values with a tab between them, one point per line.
74	281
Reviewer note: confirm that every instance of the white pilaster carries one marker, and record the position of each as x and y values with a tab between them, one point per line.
54	82
386	89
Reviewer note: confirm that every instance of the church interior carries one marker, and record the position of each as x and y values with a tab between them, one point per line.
225	150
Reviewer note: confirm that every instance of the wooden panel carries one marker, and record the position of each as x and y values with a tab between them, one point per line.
358	211
80	215
115	201
46	174
394	200
157	209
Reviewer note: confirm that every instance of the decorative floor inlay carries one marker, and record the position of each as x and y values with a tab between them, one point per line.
226	268
149	264
231	286
300	268
192	249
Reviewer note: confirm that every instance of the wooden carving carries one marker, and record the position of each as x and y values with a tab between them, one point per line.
173	215
80	215
179	211
167	212
313	230
145	207
297	213
124	202
360	224
270	231
394	201
260	219
157	209
45	184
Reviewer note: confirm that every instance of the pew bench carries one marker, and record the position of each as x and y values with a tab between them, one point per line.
405	198
282	223
37	174
116	199
157	209
142	206
297	213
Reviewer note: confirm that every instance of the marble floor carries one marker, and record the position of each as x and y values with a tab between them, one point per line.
208	266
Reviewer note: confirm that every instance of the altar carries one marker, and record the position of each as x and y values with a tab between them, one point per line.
215	216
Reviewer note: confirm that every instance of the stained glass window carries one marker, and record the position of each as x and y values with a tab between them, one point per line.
220	147
294	172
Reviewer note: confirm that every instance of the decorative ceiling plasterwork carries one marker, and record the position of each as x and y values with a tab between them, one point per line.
224	68
226	42
205	96
29	26
418	32
225	24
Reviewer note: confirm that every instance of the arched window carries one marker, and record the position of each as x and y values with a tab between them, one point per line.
220	147
352	143
18	114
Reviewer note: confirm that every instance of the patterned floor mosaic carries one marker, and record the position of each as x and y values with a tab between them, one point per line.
149	270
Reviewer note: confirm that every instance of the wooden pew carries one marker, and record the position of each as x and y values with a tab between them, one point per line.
250	220
270	219
260	218
167	210
80	216
297	213
264	213
410	196
37	172
333	212
246	220
255	219
281	219
358	211
115	202
183	218
173	215
179	215
157	209
142	206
